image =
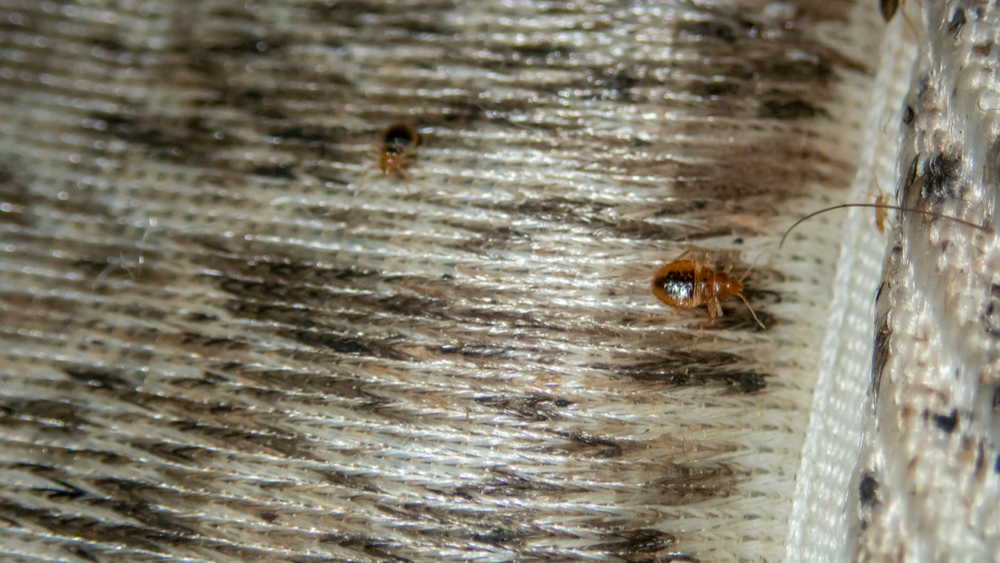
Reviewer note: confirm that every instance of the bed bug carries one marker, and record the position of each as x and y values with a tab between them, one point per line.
396	151
881	213
397	148
686	283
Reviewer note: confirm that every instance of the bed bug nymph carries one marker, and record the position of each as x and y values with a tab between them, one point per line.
396	151
397	148
686	283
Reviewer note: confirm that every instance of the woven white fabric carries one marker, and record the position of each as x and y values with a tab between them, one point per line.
818	527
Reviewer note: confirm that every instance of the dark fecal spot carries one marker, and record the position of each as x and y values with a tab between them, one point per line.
623	82
532	407
716	89
643	540
350	13
100	377
908	179
110	44
347	346
689	368
991	168
584	445
709	30
789	109
908	115
946	423
85	554
990	318
868	489
401	136
496	536
982	49
283	171
15	200
751	382
957	20
202	317
942	175
333	342
880	354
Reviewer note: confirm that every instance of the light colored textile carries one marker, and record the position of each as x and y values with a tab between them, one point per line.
224	337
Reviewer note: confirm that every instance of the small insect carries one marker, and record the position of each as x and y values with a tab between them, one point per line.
686	283
397	148
396	151
881	213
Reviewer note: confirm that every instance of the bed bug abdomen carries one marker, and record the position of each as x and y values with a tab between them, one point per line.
676	284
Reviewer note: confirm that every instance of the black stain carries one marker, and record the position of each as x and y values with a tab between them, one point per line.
990	318
525	407
881	348
941	177
497	536
991	166
908	115
638	541
957	21
190	140
947	423
281	171
98	376
16	201
868	489
690	368
784	109
717	30
751	382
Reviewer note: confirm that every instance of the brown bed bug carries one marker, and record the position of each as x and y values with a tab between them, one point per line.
396	151
686	283
397	148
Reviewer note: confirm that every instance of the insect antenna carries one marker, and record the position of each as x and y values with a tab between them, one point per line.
751	311
987	230
743	277
747	273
